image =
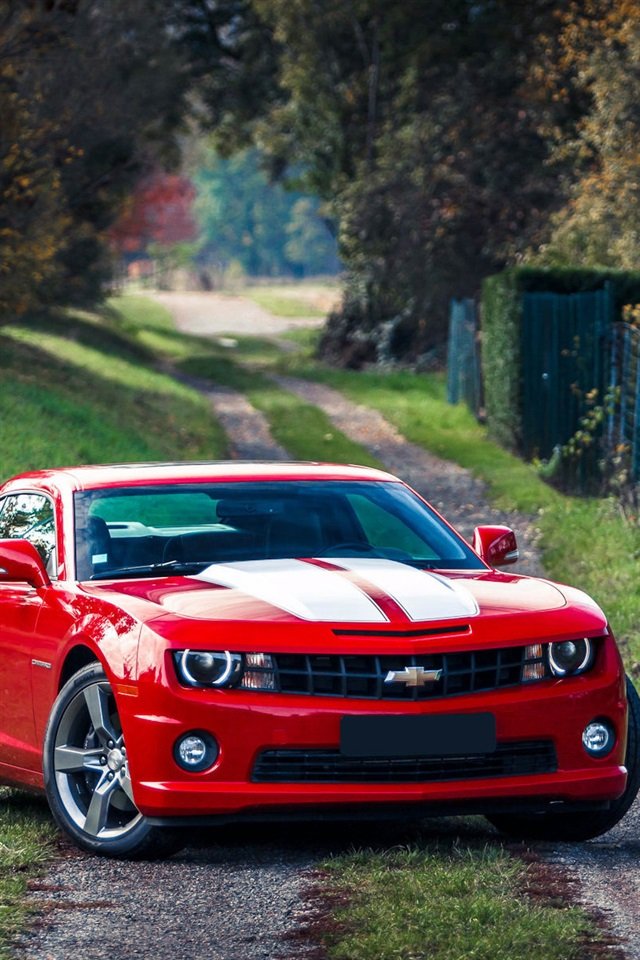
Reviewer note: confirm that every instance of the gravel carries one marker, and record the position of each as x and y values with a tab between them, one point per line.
219	901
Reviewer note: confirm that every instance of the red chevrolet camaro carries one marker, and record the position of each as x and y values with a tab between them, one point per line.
188	643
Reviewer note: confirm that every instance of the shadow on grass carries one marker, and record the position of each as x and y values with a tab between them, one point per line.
318	840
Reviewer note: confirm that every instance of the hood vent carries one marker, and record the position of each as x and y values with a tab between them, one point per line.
428	632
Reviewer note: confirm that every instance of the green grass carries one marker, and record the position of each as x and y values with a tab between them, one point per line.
79	388
449	903
26	843
281	306
302	429
307	299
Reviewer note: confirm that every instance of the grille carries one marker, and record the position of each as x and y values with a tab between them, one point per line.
364	676
512	759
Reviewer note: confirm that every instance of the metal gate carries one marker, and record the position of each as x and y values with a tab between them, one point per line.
565	356
623	423
464	379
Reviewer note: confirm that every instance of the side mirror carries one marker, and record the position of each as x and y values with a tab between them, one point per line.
20	562
497	546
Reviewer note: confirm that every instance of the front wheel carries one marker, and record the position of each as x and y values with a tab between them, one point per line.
580	825
86	773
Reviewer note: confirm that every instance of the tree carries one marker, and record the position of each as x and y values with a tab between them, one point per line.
91	94
417	124
600	63
246	220
160	211
33	218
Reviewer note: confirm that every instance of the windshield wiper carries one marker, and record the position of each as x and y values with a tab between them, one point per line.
150	569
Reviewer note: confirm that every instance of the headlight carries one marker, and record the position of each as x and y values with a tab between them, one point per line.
569	657
220	668
205	668
565	658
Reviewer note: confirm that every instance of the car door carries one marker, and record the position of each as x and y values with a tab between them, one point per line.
28	516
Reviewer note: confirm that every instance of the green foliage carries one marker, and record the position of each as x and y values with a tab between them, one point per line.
78	388
420	133
246	220
501	317
90	95
598	226
447	902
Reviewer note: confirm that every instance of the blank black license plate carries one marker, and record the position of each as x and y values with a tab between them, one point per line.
434	736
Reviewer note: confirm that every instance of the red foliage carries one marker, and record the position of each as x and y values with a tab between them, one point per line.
160	211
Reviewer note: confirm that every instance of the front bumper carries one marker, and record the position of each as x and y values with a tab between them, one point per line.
156	712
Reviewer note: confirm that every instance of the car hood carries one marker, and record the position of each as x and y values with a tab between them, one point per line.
340	590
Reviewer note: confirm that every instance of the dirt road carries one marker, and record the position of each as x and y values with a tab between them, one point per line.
212	314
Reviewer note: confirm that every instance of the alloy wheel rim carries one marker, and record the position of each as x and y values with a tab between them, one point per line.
91	766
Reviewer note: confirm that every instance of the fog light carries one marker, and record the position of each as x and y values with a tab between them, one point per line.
196	751
598	738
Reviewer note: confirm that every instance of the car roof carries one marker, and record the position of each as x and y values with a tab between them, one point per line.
138	474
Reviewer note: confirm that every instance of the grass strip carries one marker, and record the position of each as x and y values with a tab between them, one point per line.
282	306
26	843
445	903
302	429
312	299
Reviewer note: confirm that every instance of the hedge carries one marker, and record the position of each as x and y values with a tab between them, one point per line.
501	313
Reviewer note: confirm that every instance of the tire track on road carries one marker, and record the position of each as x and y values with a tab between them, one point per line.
247	429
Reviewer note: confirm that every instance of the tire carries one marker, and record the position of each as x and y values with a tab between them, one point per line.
580	825
86	774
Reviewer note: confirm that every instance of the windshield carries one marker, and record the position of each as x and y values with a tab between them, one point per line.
141	531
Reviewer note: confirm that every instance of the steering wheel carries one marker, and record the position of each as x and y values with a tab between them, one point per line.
380	553
356	545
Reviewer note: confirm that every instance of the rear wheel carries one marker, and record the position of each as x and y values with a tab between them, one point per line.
581	825
86	774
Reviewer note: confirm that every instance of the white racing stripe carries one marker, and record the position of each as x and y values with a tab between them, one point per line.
300	588
313	593
422	595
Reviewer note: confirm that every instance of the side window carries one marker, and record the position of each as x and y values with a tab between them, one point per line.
29	516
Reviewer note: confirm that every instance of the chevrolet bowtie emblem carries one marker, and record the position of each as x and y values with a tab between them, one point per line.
413	676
